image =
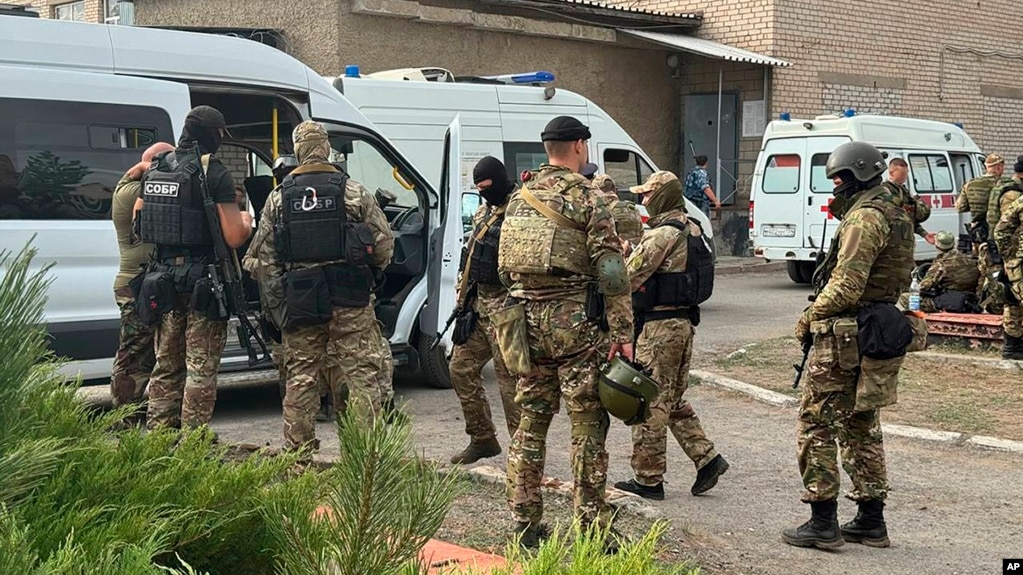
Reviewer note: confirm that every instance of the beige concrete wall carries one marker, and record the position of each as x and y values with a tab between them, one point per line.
632	84
311	32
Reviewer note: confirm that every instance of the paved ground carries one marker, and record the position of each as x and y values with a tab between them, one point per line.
953	510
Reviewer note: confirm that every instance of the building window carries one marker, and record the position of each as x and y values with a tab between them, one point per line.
119	12
71	11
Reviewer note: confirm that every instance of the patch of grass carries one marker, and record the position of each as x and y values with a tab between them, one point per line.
946	394
963	417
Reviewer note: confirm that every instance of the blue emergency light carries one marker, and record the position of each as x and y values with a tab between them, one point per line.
351	71
849	113
958	125
785	116
539	77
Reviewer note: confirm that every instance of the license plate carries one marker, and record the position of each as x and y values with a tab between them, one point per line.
778	231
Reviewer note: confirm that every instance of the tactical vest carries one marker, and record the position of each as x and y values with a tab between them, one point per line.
535	244
689	288
172	214
890	274
627	220
998	204
483	268
313	217
978	192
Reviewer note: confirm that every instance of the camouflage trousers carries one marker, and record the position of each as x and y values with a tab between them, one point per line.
826	416
566	350
183	387
670	366
362	360
466	368
1012	320
136	353
330	373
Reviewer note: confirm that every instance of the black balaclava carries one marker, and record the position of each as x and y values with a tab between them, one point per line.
209	138
844	193
490	168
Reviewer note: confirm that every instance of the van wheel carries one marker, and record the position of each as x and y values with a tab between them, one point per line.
799	272
433	363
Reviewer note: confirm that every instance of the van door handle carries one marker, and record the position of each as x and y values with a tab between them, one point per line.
809	200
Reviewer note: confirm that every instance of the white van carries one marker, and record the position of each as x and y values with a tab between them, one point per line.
790	193
80	102
500	116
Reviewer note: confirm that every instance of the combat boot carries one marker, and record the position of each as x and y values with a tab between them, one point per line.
868	527
476	451
821	531
655	492
1012	348
530	535
707	476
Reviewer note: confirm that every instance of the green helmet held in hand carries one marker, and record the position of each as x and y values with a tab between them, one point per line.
626	390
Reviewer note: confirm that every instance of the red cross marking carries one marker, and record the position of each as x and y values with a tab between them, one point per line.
826	209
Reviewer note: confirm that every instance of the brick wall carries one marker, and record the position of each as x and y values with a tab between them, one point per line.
744	24
236	160
93	8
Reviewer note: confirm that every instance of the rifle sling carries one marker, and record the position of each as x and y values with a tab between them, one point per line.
549	212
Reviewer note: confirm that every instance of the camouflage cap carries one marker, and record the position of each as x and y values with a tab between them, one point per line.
944	241
994	160
604	183
655	182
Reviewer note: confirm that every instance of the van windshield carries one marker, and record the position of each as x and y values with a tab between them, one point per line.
369	165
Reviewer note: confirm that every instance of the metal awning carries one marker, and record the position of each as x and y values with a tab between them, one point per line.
706	48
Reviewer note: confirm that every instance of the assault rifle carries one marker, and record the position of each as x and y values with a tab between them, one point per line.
801	367
819	281
228	291
462	307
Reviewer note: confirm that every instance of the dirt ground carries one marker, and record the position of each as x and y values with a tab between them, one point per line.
940	394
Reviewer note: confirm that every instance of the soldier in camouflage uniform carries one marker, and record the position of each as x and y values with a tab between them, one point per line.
898	175
486	294
189	342
870	261
976	196
951	270
665	250
628	222
342	262
558	243
136	354
1006	236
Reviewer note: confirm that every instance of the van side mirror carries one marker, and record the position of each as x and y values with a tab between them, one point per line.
471	202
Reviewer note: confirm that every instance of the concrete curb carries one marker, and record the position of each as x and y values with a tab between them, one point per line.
996	362
617	498
756	392
778	399
750	268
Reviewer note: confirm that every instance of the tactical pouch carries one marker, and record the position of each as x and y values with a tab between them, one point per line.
204	300
919	327
348	286
595	307
465	322
694	315
157	296
877	385
884	331
825	348
358	243
307	297
645	298
513	338
847	348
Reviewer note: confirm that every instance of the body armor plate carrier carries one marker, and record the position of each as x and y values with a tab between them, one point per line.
313	217
484	256
172	214
680	289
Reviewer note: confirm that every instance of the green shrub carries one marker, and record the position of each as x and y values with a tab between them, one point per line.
75	499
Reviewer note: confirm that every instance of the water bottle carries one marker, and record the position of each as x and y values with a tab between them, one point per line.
914	295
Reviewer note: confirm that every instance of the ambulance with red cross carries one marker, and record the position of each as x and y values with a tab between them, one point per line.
788	212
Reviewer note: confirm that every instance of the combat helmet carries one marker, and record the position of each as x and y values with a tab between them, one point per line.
626	390
862	159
